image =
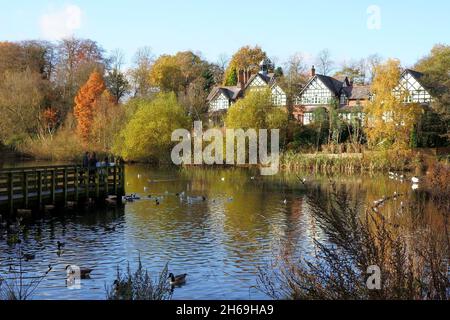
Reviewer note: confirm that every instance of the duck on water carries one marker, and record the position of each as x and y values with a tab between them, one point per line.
177	280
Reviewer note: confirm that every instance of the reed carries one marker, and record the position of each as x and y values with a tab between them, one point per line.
412	258
139	285
368	162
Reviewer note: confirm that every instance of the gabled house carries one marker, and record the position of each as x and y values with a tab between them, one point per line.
324	91
411	86
262	81
222	97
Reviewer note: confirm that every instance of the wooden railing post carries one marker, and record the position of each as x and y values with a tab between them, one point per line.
39	188
122	179
65	186
77	177
11	192
46	184
53	186
25	190
115	179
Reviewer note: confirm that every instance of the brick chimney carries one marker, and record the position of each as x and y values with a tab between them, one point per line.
313	71
241	79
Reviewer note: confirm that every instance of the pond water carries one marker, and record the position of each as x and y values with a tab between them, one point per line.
220	242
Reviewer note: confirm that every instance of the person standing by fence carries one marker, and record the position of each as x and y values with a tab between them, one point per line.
85	166
92	166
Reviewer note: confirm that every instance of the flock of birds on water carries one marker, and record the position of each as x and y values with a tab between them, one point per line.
400	178
84	272
178	280
181	195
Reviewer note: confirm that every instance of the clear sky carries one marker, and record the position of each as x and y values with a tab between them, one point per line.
348	28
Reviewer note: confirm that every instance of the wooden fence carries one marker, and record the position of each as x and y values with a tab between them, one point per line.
34	187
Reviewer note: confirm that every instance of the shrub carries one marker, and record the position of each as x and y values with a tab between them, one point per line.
139	285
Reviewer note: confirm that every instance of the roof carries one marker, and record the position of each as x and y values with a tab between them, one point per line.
268	78
331	83
417	76
231	93
357	92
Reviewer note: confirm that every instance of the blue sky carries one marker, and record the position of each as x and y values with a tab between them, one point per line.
408	29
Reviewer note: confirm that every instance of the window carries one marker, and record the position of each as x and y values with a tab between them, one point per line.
307	118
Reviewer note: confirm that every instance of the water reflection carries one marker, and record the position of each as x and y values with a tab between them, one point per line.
220	242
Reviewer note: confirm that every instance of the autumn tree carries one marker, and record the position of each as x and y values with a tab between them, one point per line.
107	121
36	56
245	61
22	100
390	122
166	74
49	121
187	75
85	102
177	72
436	67
77	59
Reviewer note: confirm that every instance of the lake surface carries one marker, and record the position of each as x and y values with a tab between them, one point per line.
220	242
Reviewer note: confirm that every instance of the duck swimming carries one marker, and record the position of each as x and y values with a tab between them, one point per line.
28	256
85	273
177	280
60	245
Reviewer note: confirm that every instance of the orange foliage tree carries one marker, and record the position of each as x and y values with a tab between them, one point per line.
85	102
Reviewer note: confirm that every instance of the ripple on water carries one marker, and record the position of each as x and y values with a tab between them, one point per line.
220	242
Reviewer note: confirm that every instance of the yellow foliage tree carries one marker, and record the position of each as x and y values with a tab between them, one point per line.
107	122
85	101
147	136
257	111
245	60
390	121
166	74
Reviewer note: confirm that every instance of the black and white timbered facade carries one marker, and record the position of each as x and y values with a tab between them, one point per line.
324	91
412	89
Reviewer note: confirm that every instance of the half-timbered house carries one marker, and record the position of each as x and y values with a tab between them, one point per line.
221	98
412	88
324	91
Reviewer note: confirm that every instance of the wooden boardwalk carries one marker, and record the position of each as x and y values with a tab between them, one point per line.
34	187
